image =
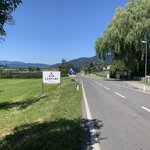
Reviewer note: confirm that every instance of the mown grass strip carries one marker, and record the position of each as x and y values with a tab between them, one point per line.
102	74
36	121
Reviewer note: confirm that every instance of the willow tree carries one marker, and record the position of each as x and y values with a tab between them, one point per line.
6	9
124	33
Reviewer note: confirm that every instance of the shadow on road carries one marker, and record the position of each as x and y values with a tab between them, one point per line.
90	137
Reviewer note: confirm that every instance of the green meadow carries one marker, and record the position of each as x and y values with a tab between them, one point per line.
30	119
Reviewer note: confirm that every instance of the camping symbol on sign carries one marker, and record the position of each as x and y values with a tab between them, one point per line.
51	75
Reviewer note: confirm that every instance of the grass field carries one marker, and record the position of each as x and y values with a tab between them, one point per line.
102	74
35	121
147	83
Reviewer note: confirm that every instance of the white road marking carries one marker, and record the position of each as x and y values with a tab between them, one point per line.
95	81
119	95
100	84
96	145
145	108
106	87
88	113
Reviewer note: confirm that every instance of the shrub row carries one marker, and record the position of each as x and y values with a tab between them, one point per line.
21	75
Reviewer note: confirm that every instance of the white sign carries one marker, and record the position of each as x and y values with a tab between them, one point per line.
51	76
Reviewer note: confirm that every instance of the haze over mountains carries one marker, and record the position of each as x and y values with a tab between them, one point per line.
80	62
19	64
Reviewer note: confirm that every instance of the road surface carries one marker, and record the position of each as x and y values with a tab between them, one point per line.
122	112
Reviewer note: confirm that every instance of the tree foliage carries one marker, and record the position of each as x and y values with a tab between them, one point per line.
129	26
64	67
6	9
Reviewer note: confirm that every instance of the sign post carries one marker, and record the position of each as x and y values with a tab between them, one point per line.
42	87
51	77
72	73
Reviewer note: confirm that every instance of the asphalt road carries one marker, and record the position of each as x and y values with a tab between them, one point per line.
123	114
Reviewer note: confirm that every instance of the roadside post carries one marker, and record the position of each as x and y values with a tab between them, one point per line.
145	65
50	77
42	86
146	49
77	86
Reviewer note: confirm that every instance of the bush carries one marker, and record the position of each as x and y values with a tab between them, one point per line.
112	74
4	73
27	75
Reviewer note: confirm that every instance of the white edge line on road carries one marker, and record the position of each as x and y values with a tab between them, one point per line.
96	146
88	113
106	87
119	95
145	108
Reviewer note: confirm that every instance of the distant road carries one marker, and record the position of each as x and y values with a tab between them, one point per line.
123	111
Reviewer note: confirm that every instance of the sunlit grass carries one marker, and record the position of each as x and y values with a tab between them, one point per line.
30	119
102	74
142	82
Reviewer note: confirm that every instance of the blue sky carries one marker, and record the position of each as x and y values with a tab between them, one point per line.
51	30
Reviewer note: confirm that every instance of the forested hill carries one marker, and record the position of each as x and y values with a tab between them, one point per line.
85	61
80	62
18	64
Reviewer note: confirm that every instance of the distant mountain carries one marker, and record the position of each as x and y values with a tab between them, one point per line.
85	61
80	62
18	64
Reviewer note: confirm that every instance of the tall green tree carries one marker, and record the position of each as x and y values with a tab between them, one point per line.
124	34
6	9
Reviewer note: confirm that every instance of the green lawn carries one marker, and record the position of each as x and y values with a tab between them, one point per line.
35	121
102	74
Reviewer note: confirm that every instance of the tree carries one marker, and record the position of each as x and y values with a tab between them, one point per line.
124	34
64	61
90	67
38	69
64	67
6	8
31	69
